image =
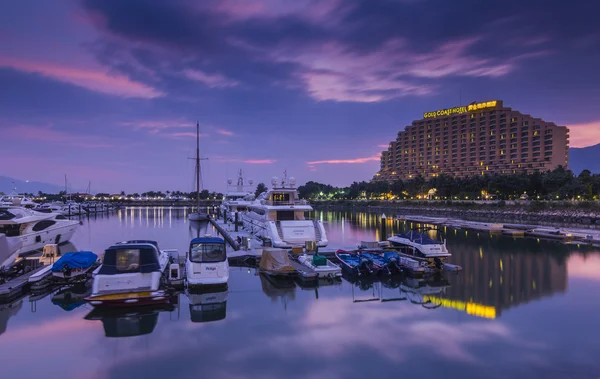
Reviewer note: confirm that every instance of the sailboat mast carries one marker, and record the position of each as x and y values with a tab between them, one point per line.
198	164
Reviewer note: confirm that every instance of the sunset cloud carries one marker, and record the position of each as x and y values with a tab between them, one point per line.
346	161
584	134
225	132
46	134
210	80
94	80
259	161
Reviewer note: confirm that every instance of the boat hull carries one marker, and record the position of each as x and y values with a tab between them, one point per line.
59	235
128	299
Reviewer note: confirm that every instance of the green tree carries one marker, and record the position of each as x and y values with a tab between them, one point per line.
260	188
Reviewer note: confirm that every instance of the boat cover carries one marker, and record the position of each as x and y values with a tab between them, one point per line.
77	259
276	261
148	258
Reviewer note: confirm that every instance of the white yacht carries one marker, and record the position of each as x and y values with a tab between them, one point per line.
36	229
206	263
9	250
237	198
278	215
198	215
421	247
49	208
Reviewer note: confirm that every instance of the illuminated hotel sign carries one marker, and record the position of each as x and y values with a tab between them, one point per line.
470	308
459	110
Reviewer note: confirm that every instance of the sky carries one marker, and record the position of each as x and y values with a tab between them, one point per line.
109	91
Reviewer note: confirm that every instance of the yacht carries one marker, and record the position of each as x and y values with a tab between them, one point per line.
49	208
198	215
237	198
278	216
132	273
9	250
421	247
36	229
206	262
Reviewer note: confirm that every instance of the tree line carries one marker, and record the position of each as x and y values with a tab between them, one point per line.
559	184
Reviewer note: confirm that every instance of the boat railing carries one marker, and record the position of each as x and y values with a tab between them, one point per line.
284	202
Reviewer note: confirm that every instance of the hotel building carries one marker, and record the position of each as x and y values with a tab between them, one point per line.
477	139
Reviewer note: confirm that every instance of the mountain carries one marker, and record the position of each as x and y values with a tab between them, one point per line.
581	158
6	186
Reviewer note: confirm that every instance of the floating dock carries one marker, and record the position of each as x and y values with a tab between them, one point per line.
16	286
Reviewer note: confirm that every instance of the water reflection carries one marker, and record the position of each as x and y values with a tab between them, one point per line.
210	305
72	297
7	311
127	322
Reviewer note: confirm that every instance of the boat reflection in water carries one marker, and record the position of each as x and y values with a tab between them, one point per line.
72	297
131	322
208	304
7	311
278	288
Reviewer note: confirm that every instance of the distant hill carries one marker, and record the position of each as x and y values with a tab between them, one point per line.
6	186
581	158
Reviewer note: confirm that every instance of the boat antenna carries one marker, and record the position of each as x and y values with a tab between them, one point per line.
198	164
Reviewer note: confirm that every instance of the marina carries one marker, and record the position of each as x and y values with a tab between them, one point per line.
503	280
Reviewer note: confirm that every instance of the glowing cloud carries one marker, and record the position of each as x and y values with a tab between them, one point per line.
259	161
225	132
584	134
29	133
346	161
210	80
94	80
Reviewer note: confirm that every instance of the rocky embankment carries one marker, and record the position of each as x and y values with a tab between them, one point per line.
522	214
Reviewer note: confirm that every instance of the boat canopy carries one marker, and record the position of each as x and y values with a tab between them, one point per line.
207	250
419	238
78	259
276	261
126	258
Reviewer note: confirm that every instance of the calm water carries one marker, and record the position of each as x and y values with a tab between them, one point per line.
521	308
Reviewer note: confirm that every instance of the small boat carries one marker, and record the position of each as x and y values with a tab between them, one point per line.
398	262
276	262
131	274
354	264
419	246
206	262
321	265
74	266
380	265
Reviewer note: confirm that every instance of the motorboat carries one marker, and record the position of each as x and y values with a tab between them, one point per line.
208	306
421	247
198	215
321	265
277	217
36	229
206	262
132	273
237	198
355	264
276	262
74	266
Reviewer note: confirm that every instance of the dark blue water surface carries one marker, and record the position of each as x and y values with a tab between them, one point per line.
521	308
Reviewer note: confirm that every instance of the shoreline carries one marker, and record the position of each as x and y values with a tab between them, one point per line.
573	217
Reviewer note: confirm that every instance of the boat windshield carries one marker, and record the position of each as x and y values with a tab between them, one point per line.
208	252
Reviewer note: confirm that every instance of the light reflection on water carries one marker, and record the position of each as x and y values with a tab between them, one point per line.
520	308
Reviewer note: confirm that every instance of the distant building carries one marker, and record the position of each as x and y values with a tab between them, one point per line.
475	139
